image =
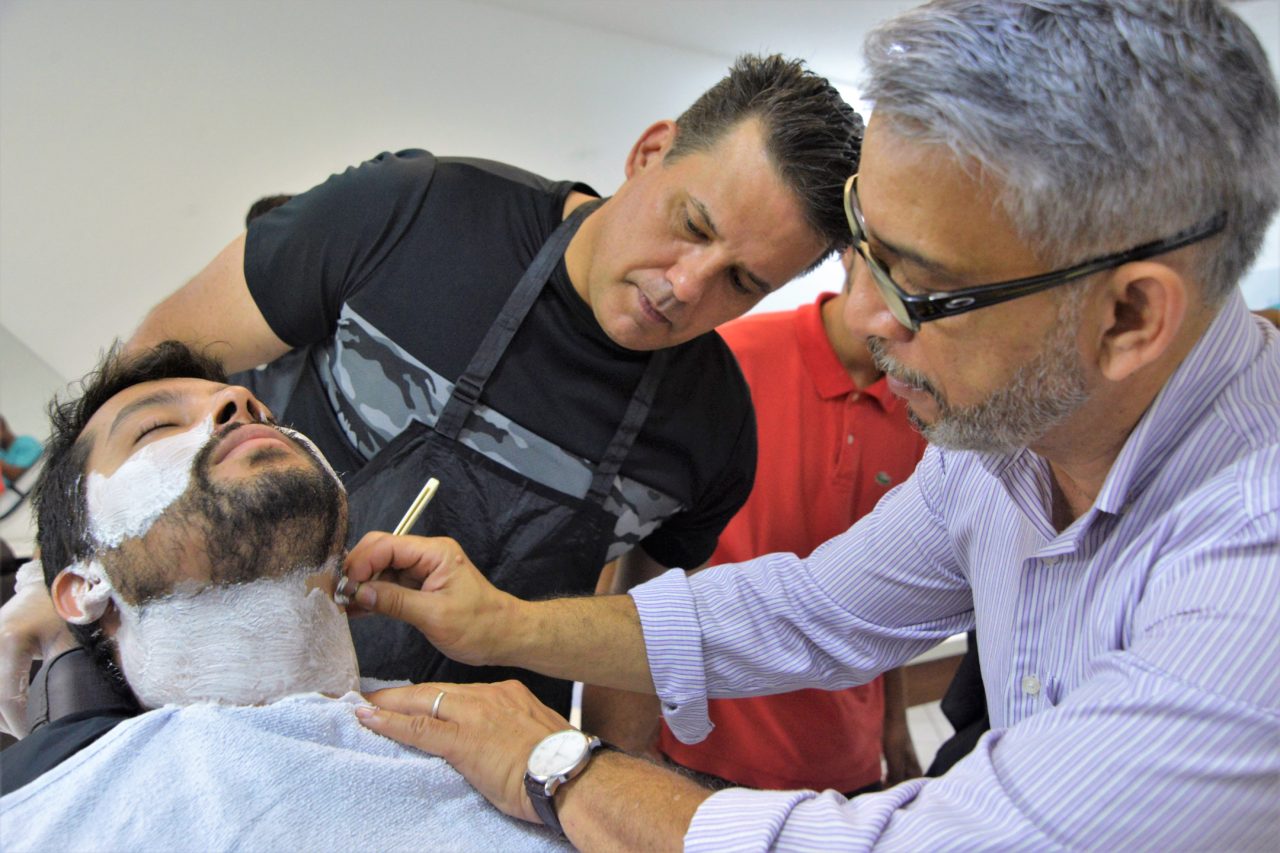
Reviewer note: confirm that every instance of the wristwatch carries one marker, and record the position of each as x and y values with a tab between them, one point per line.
555	760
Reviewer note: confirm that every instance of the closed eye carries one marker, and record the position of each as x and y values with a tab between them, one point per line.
702	235
150	427
694	231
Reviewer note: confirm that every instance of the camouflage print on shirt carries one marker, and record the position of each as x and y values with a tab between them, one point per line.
395	389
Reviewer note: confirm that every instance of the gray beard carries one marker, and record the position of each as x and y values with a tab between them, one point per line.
1042	393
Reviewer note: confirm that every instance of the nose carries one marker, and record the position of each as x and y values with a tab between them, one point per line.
234	404
691	275
865	311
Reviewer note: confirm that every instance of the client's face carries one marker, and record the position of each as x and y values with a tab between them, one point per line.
190	481
217	542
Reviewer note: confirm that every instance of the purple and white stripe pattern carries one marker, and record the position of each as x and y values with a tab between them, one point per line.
1131	662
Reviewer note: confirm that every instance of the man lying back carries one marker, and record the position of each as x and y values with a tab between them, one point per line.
193	546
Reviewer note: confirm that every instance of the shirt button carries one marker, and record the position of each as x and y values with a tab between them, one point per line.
1052	561
1030	685
849	439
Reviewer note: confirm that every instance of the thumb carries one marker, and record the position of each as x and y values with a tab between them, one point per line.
15	669
13	708
391	599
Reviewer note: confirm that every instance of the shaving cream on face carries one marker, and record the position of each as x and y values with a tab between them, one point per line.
242	644
126	504
94	594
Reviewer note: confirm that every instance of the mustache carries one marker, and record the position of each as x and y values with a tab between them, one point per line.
889	366
203	459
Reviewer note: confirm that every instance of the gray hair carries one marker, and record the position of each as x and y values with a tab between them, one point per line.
1108	123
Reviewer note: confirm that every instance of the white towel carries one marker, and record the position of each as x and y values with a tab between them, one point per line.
299	774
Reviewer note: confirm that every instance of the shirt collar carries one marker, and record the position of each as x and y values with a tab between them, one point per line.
824	367
1225	348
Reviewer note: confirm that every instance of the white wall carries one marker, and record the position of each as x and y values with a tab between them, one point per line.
135	133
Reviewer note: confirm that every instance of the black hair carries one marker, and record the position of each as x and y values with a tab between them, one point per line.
62	528
266	204
812	136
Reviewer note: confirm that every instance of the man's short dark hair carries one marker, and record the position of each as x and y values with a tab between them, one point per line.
264	205
62	523
813	137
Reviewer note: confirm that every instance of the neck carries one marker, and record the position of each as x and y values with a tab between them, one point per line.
851	351
1082	450
577	257
241	644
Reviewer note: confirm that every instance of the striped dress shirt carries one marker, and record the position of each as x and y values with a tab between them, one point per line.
1131	661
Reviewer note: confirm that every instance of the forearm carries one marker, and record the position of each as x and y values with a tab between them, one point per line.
595	640
625	803
895	697
895	739
627	720
214	310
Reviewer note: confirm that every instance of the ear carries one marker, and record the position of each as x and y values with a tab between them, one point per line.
81	593
67	592
1146	304
651	147
846	261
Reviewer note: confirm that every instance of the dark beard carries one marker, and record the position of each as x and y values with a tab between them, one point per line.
281	520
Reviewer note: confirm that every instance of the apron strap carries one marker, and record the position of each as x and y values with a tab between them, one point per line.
467	390
629	428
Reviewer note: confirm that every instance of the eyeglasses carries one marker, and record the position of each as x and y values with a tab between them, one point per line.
911	309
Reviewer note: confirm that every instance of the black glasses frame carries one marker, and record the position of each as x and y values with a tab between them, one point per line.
912	309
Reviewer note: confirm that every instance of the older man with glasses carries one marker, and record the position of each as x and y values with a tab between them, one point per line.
912	309
1101	500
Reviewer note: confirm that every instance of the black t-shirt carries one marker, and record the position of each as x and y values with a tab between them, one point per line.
391	278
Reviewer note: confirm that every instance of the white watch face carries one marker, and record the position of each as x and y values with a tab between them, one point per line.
557	754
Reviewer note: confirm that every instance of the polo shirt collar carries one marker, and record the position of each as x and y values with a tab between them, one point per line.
824	367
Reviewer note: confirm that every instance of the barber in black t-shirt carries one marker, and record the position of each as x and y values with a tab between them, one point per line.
543	353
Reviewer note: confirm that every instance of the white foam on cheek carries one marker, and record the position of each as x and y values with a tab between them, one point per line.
246	644
126	504
302	439
94	594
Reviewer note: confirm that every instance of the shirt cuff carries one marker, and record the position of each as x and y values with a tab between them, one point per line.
673	642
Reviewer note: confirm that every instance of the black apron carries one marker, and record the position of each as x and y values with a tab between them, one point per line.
529	539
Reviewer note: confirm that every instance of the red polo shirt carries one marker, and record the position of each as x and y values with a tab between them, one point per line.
827	452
